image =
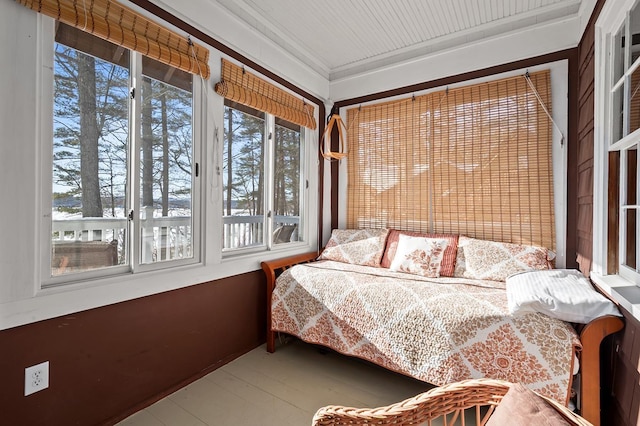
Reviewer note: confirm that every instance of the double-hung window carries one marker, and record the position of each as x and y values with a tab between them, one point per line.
124	161
616	202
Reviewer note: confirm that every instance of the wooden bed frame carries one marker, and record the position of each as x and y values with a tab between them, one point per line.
591	336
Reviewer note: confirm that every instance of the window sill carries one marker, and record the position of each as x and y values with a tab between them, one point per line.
622	291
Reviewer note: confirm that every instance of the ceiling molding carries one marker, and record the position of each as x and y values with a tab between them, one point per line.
340	39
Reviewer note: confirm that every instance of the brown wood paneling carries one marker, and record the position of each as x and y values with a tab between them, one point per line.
587	74
584	145
624	403
626	342
613	211
585	186
585	156
585	219
572	165
623	388
108	362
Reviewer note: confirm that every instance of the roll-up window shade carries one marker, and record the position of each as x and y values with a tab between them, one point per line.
239	85
474	160
123	26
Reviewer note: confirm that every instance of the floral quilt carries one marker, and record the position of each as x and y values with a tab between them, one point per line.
438	330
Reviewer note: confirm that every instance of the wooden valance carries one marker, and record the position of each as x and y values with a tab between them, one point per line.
239	85
125	27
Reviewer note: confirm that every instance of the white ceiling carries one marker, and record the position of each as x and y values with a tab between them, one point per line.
340	38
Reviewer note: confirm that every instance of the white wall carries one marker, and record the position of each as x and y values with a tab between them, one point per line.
18	168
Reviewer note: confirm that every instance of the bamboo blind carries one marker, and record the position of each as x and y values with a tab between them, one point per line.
243	87
475	160
123	26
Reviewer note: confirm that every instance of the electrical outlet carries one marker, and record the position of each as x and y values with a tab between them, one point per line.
36	378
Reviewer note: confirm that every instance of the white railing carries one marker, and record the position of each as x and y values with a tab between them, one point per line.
163	238
89	229
246	231
166	238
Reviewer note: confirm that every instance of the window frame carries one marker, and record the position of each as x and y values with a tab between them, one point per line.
269	191
133	245
610	22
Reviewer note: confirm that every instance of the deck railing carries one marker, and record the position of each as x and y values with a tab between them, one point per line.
247	231
166	238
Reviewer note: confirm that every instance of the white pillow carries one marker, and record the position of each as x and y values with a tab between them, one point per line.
419	255
564	294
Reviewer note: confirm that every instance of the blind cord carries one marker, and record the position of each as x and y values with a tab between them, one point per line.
84	9
544	107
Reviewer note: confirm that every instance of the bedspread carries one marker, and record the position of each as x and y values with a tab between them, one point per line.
436	330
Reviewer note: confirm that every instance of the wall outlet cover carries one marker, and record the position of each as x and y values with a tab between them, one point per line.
36	378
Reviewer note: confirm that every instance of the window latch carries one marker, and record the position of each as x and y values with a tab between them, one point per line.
130	215
132	93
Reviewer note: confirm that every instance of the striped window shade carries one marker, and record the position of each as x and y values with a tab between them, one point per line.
238	85
474	160
125	27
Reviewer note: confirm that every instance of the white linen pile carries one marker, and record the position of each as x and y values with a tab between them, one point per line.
565	294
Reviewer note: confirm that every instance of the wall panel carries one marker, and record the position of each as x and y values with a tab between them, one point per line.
108	362
584	146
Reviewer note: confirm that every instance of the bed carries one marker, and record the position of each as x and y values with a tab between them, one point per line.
440	329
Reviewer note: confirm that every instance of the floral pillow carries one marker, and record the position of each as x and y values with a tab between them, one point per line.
492	260
356	246
419	255
447	266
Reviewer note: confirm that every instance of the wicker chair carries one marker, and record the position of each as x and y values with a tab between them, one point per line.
446	404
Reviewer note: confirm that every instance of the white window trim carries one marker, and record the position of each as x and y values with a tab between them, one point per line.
623	287
308	228
133	264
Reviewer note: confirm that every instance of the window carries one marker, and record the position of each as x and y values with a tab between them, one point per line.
473	160
262	179
124	162
616	205
264	163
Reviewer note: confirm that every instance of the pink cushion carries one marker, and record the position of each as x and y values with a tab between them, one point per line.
447	266
523	407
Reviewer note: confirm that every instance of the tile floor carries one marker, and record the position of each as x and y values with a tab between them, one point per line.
284	388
